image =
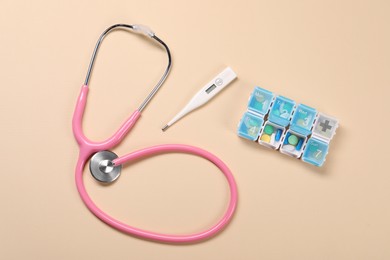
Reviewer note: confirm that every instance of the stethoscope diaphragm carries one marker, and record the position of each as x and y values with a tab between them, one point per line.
102	168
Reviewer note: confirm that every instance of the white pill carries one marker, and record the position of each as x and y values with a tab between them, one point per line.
289	147
272	138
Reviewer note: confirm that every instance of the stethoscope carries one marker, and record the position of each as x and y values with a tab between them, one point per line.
106	166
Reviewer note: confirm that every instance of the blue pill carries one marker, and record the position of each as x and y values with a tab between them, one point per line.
278	135
286	138
299	145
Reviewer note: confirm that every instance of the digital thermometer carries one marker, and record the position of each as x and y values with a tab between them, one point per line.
205	94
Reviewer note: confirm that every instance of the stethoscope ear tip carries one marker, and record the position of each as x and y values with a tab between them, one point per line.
102	168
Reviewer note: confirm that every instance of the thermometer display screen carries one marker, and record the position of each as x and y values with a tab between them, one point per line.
211	88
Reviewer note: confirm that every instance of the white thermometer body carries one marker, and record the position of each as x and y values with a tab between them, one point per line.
205	94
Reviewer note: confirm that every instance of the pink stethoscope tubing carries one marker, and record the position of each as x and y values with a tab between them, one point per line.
88	148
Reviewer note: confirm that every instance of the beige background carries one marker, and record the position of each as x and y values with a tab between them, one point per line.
332	55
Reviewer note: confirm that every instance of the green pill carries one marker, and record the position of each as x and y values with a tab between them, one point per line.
268	129
293	140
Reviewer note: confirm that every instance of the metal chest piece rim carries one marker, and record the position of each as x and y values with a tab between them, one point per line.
102	168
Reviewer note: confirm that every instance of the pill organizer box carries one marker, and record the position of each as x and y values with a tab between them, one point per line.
294	129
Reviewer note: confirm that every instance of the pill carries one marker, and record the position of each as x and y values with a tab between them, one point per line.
293	140
299	145
268	129
286	137
278	135
265	138
272	138
289	148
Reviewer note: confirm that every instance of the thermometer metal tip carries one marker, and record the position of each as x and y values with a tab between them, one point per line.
165	128
205	94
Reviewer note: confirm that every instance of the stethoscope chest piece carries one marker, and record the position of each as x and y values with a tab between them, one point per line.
102	167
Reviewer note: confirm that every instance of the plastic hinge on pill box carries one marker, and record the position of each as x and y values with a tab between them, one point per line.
294	129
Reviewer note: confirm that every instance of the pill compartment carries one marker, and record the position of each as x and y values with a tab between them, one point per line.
281	111
249	126
260	101
303	119
293	143
315	152
325	127
271	135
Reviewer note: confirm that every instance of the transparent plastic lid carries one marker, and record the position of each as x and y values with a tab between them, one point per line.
249	126
281	111
325	127
303	118
260	101
315	152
